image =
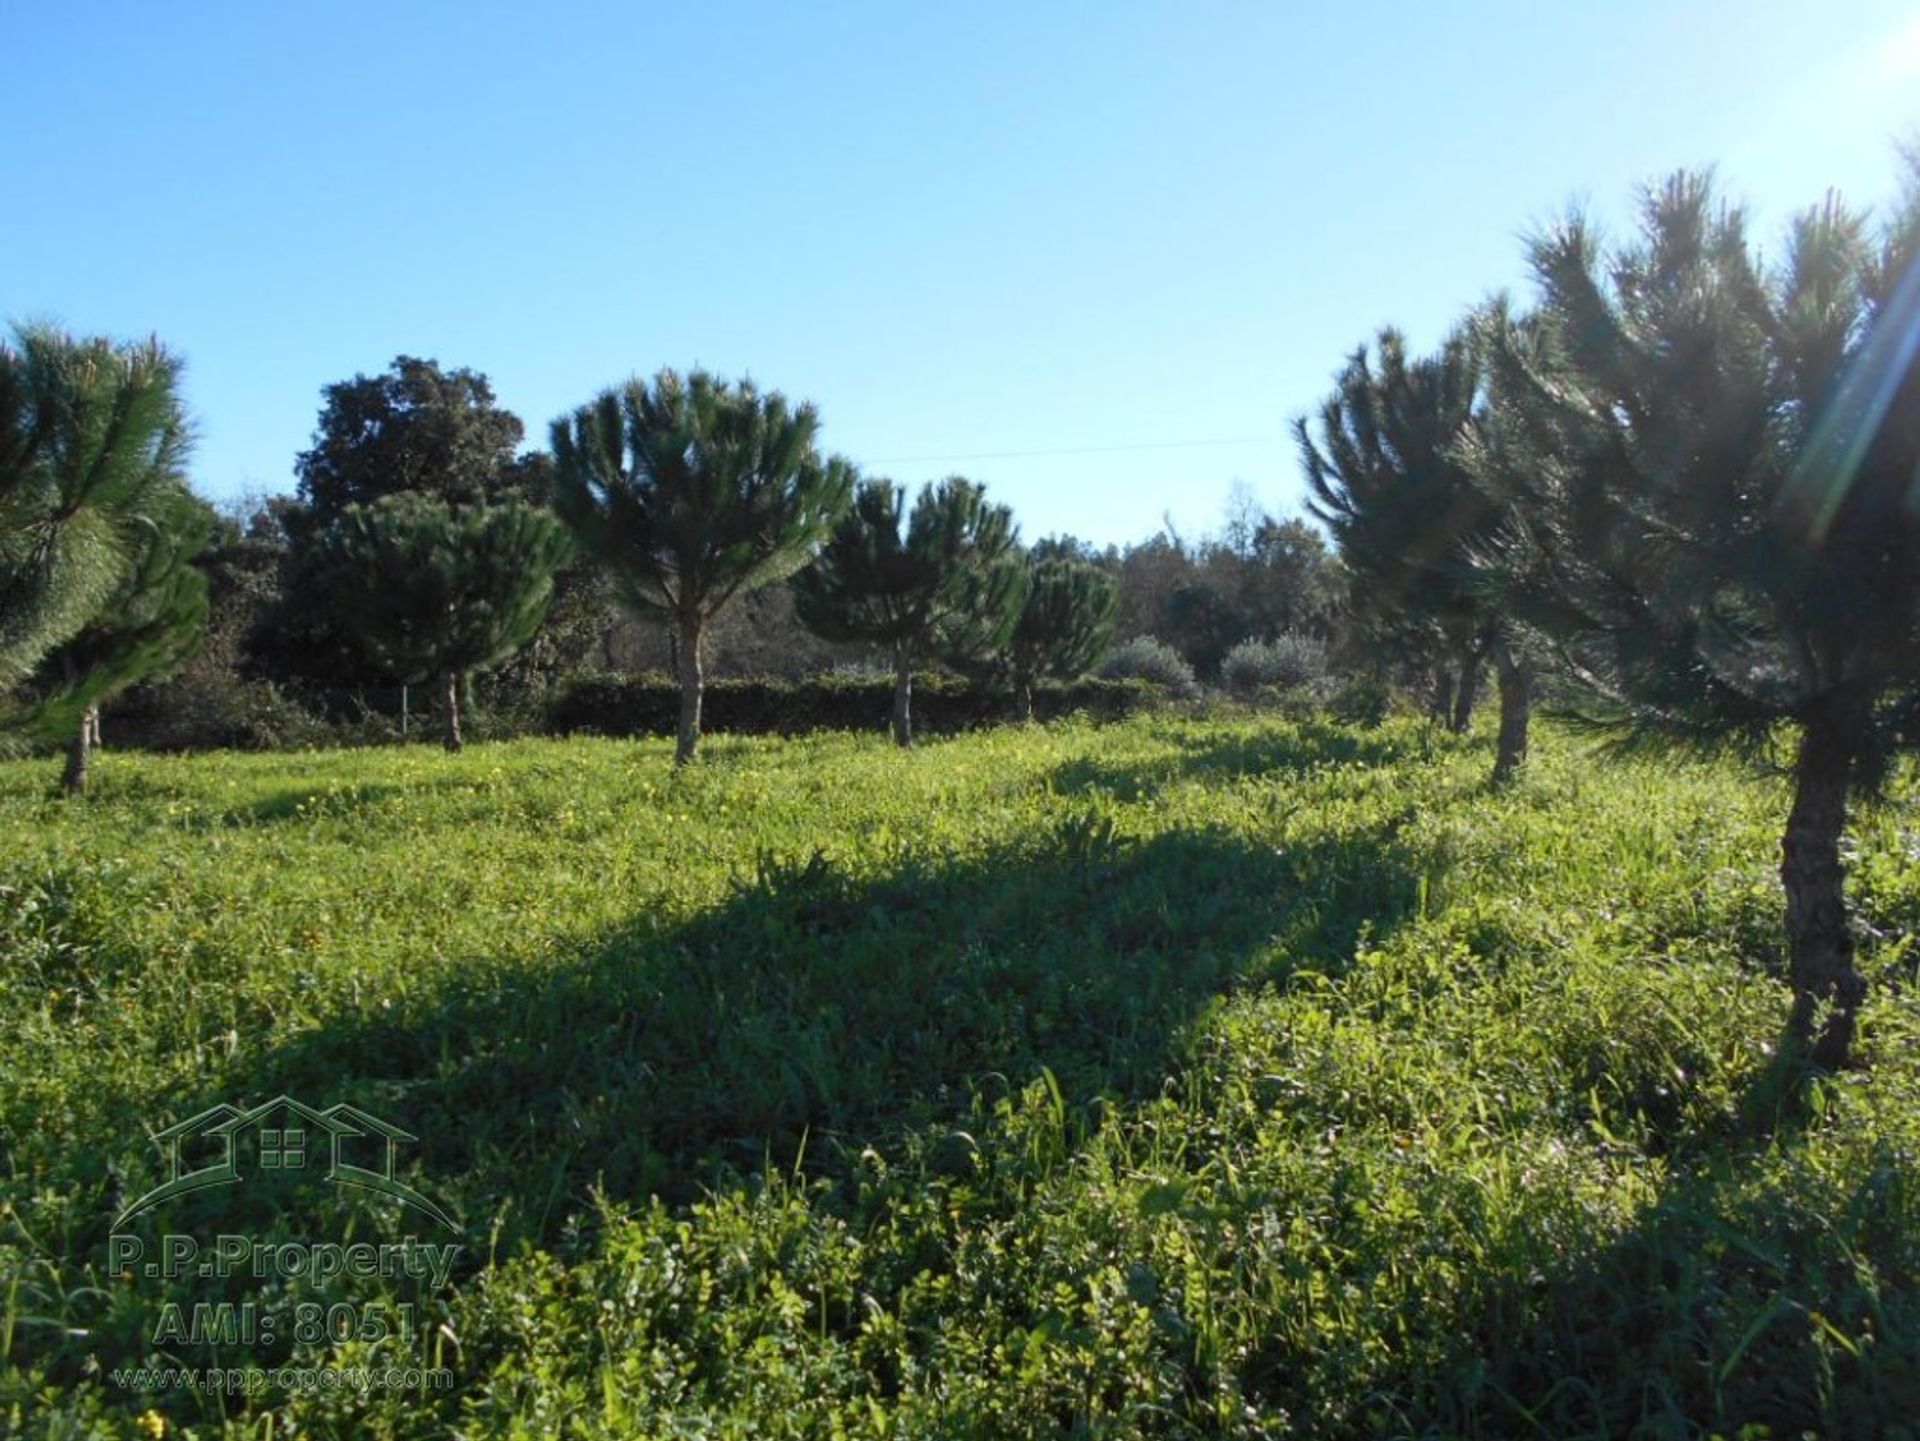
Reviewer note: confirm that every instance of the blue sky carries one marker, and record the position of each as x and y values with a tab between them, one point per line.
964	231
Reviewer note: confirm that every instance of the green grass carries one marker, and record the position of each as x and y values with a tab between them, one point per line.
1173	1078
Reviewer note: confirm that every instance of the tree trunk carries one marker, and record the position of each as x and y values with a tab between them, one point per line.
693	685
80	752
1467	692
902	698
450	710
1516	703
1826	987
1441	709
1023	699
93	726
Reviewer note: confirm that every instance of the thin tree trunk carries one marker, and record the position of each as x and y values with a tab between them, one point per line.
1826	987
93	727
80	752
902	697
693	684
450	710
1468	690
1516	704
1441	709
1023	699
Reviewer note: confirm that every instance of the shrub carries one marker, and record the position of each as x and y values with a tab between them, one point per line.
1145	658
649	704
1361	700
1287	662
217	711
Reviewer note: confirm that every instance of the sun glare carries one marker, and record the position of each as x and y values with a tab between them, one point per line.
1899	55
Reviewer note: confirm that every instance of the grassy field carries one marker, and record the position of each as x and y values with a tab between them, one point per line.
1173	1078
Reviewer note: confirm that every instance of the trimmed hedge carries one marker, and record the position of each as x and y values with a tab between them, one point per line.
650	704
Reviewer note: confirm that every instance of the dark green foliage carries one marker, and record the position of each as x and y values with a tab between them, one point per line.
435	592
1713	466
147	629
1284	578
877	581
1262	576
1064	627
645	705
1710	467
1385	481
947	583
414	428
92	440
215	709
690	490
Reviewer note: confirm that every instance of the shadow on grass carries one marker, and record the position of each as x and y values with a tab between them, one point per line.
1754	1292
1294	749
818	1011
299	803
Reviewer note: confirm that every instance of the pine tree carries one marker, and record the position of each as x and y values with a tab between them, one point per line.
1064	627
1386	479
148	628
93	439
690	491
436	591
1712	464
948	584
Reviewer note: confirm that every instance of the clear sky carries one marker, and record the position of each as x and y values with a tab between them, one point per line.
968	232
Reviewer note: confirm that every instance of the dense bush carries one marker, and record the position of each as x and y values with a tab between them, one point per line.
648	704
1148	659
1362	699
214	711
1287	662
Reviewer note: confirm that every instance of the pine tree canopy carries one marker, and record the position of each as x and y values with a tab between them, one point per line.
150	627
431	588
1065	624
948	582
1713	465
93	440
692	489
1383	478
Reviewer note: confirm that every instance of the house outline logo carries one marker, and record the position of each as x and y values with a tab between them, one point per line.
284	1146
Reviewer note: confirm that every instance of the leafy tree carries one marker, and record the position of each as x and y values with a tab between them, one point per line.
1713	464
1200	619
150	627
435	591
1386	479
93	439
1065	626
1263	577
691	490
948	584
1284	581
415	428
